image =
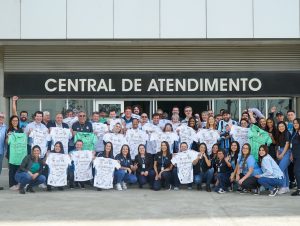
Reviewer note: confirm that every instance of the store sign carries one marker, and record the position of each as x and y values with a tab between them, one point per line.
151	84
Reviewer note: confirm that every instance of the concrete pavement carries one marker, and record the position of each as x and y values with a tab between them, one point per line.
144	207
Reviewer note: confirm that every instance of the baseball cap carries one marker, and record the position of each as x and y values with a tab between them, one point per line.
279	113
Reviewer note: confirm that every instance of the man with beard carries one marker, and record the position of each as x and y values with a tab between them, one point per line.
23	114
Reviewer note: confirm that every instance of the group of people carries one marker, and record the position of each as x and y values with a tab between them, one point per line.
248	156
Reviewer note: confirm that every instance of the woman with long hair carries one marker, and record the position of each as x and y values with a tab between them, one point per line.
272	176
30	171
125	173
247	168
163	167
283	154
144	167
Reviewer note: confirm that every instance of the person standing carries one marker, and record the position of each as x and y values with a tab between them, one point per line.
3	130
283	154
295	157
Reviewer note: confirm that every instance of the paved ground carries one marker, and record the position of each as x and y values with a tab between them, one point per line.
145	207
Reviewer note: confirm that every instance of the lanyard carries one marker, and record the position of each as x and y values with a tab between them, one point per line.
163	161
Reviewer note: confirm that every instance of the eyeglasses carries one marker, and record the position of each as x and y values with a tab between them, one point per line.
81	115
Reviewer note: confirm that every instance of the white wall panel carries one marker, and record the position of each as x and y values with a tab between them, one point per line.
89	19
136	19
9	19
43	19
276	18
229	19
183	19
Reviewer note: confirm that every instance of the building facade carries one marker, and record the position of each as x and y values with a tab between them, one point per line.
91	54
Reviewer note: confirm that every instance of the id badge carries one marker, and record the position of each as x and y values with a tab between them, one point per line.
241	171
219	170
291	145
144	166
162	168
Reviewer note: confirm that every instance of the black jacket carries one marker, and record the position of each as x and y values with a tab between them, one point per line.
27	163
52	124
148	161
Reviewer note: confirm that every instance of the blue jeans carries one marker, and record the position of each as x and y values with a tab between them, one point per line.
144	179
165	180
204	176
283	165
122	176
24	178
224	181
270	183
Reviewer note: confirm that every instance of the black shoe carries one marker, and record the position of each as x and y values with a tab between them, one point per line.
81	185
292	185
140	186
60	188
1	188
71	186
22	190
99	189
30	189
208	189
199	187
49	188
296	193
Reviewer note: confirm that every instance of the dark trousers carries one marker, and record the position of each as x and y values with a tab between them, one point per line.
297	171
165	181
291	172
250	183
144	179
11	174
224	182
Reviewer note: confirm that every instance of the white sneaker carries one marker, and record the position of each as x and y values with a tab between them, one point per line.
43	186
221	191
118	187
124	186
283	190
176	188
15	187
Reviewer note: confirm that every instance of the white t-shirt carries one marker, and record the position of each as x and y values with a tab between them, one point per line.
40	137
207	136
170	137
117	139
184	162
82	164
99	129
58	165
186	134
113	122
60	134
240	134
134	138
104	175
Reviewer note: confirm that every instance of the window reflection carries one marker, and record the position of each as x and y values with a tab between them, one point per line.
230	105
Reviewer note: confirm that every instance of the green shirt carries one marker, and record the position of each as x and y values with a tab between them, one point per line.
17	148
258	137
35	167
89	140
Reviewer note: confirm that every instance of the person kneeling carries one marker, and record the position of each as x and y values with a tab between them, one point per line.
272	177
30	171
223	166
